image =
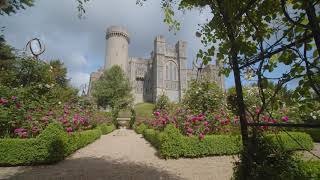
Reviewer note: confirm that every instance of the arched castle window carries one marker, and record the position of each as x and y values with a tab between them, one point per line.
171	71
167	72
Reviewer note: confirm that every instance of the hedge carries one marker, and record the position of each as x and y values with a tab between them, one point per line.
140	128
309	170
296	140
51	146
172	144
106	129
152	136
314	133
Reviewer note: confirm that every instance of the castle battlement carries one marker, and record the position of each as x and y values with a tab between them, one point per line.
164	72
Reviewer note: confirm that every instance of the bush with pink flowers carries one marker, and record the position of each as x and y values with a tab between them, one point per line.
197	125
26	119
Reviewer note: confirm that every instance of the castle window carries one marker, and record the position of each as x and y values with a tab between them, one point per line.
167	72
174	73
171	71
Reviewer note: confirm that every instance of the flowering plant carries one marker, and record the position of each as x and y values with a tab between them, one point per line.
199	124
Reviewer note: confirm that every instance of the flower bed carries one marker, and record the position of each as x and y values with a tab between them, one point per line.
52	145
172	144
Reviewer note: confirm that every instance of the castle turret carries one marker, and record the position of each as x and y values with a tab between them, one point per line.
117	47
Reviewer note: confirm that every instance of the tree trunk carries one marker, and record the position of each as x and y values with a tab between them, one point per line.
313	22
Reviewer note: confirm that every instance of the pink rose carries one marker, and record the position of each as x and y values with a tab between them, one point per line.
285	118
157	113
201	136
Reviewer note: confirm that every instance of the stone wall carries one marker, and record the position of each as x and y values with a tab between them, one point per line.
165	72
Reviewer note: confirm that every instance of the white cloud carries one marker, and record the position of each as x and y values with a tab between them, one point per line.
79	79
80	43
75	61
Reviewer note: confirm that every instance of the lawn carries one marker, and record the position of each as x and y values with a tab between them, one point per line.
144	109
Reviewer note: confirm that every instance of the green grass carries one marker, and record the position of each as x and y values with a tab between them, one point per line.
144	109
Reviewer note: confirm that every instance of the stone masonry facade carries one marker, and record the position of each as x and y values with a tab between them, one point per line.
165	72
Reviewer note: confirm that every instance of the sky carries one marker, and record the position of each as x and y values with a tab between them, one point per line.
80	43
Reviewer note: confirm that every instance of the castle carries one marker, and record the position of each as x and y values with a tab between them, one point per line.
165	72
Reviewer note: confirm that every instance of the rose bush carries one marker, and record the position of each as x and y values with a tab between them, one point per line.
25	119
201	124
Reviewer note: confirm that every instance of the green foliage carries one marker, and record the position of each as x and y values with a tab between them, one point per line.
162	103
203	96
152	136
113	89
289	142
308	170
132	118
8	7
314	133
266	161
172	144
140	128
52	145
106	129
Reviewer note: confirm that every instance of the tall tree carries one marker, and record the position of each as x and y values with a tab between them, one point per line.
113	89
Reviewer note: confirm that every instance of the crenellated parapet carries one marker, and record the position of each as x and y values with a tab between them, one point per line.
117	31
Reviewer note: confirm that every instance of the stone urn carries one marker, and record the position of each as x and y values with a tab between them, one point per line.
123	118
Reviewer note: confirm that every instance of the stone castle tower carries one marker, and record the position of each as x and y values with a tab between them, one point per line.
164	72
117	47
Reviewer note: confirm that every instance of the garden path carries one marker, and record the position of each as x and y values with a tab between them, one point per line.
119	156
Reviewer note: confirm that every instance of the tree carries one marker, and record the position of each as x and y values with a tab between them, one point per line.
203	96
12	6
258	36
113	89
162	103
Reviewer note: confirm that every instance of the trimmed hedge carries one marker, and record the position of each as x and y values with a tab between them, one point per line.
106	129
314	133
51	146
139	129
309	170
172	144
283	140
152	136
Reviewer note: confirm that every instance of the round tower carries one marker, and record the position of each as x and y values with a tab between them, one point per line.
117	47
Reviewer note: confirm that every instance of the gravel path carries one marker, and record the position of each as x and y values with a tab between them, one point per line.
123	155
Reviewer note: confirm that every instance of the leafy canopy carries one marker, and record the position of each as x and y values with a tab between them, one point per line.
203	96
113	89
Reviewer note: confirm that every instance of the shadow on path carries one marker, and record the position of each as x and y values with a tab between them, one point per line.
93	168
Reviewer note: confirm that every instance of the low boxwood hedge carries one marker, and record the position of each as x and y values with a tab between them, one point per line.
140	128
172	144
52	145
152	136
106	129
309	170
314	133
292	142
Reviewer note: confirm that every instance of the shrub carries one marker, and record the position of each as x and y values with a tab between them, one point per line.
203	96
264	160
162	103
314	133
288	142
132	118
172	144
106	129
152	136
309	170
46	148
52	145
139	129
